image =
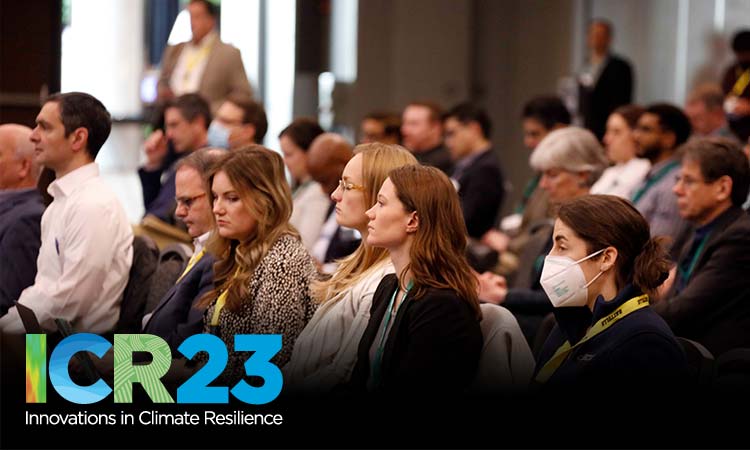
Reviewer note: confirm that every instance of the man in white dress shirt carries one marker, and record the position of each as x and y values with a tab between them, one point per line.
87	243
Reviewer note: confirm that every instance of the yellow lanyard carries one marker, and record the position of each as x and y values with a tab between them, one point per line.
195	57
741	83
220	303
192	262
557	359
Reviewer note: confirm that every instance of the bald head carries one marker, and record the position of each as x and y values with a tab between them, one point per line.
326	159
17	167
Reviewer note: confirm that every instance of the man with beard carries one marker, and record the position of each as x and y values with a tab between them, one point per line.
659	132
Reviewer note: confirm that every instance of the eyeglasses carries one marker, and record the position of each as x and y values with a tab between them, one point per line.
346	186
187	202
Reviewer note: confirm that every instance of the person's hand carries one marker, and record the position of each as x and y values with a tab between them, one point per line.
661	291
156	150
496	240
742	107
493	288
104	366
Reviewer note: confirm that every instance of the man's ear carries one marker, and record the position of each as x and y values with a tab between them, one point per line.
79	139
724	188
412	225
26	166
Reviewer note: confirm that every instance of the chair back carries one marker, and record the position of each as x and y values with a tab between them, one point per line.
700	362
506	363
132	309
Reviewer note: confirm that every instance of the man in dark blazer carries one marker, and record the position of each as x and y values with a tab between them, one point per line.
606	81
477	172
186	120
21	212
177	315
709	300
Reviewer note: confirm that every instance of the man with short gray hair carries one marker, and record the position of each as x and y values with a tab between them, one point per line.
21	210
709	301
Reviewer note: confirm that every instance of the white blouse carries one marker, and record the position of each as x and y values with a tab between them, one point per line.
310	210
622	179
326	351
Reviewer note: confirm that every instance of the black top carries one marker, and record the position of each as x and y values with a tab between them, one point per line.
638	350
713	308
613	88
438	157
20	239
481	190
433	346
177	315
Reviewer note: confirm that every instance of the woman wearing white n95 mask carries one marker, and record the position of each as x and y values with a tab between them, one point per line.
602	266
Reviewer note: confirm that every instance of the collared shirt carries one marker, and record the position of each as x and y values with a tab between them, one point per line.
658	204
320	247
85	257
592	71
200	242
191	64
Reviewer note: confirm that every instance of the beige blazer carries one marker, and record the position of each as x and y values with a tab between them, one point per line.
224	74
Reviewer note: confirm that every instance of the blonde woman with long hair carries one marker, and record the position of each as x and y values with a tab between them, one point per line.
326	351
262	273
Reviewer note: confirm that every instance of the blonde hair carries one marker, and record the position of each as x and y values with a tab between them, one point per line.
377	161
257	174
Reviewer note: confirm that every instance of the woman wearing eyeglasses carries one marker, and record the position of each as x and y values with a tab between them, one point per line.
423	335
262	273
598	275
326	351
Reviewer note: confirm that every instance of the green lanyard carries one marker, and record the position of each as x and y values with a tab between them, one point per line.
687	273
376	364
527	192
653	180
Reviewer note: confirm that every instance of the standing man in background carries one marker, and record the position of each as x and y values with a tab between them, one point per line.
606	81
204	65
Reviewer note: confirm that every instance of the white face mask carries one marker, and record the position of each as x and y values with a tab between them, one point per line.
218	135
564	282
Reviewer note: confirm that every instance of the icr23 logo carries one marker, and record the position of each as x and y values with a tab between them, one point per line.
194	390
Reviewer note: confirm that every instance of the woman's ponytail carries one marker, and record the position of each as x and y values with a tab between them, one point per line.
651	266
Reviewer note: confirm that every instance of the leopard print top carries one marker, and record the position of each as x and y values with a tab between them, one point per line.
279	302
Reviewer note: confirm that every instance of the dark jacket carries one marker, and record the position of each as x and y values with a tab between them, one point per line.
481	190
438	157
176	317
433	346
613	88
20	230
526	299
638	349
714	306
158	187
